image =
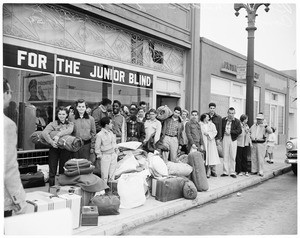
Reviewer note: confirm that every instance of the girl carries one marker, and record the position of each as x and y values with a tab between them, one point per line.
63	127
243	143
85	128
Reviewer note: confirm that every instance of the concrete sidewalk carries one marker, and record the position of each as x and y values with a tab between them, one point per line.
155	210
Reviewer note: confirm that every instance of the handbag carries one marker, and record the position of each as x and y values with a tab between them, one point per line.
32	180
107	204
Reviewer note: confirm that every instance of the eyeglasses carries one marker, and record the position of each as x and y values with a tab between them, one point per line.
9	91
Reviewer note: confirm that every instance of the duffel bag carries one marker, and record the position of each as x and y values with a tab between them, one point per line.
189	190
107	204
198	175
179	169
32	180
163	112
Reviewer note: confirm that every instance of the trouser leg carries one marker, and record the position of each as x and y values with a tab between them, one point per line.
113	166
53	162
226	151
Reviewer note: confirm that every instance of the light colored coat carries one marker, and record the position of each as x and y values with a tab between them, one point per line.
212	156
14	194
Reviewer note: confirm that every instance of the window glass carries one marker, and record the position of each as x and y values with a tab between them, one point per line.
128	95
31	107
69	90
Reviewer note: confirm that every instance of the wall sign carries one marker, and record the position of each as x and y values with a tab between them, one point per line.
25	58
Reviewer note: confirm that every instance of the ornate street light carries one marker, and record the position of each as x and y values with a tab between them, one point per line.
251	9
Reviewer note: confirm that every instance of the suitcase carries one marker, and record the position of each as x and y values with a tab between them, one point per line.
28	169
85	195
89	216
198	175
170	188
41	201
74	203
32	180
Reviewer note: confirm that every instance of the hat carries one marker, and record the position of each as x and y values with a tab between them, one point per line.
260	116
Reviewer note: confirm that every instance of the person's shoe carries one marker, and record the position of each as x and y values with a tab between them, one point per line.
253	173
271	162
233	175
240	174
261	175
224	175
214	174
247	174
268	161
207	176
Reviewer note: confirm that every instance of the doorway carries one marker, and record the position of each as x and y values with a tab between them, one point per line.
171	102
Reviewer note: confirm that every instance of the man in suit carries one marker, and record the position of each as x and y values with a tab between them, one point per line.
231	129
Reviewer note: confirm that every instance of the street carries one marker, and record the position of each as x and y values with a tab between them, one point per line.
269	208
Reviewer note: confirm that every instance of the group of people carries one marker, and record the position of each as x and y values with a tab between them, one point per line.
111	123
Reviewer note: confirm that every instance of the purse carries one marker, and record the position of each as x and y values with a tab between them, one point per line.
107	204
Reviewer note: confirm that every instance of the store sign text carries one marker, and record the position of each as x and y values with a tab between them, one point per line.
42	61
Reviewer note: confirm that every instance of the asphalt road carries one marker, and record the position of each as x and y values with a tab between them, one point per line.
269	208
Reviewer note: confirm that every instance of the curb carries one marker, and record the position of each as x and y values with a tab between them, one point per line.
180	205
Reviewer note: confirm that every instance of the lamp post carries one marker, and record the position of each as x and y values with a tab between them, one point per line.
251	14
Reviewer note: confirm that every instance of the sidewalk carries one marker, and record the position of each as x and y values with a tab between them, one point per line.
155	210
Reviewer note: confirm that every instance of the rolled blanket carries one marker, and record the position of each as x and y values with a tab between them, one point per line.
79	171
73	164
88	182
68	142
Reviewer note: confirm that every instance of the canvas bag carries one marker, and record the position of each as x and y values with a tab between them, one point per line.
107	204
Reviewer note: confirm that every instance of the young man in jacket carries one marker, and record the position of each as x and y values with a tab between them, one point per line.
172	135
101	111
231	129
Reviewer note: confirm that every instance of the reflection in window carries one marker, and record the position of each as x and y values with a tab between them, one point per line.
127	95
69	90
31	107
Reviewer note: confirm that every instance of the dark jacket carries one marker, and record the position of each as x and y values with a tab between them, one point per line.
140	133
179	132
193	133
236	128
217	120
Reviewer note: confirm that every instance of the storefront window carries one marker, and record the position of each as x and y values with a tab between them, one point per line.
127	95
31	107
69	90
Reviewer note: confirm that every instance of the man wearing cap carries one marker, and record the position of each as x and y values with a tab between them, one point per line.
231	129
258	134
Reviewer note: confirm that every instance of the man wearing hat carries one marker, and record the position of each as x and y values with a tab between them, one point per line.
258	134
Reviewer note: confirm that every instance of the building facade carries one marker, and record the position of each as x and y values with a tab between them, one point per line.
55	54
223	74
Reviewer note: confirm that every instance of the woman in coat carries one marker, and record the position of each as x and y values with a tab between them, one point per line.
53	131
209	133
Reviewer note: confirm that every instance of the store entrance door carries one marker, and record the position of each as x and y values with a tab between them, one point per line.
171	102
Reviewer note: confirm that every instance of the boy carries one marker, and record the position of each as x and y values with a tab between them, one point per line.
271	145
106	149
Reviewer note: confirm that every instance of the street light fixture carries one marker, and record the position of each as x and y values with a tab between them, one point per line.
251	9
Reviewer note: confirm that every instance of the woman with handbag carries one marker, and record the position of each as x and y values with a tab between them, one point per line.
209	133
53	131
